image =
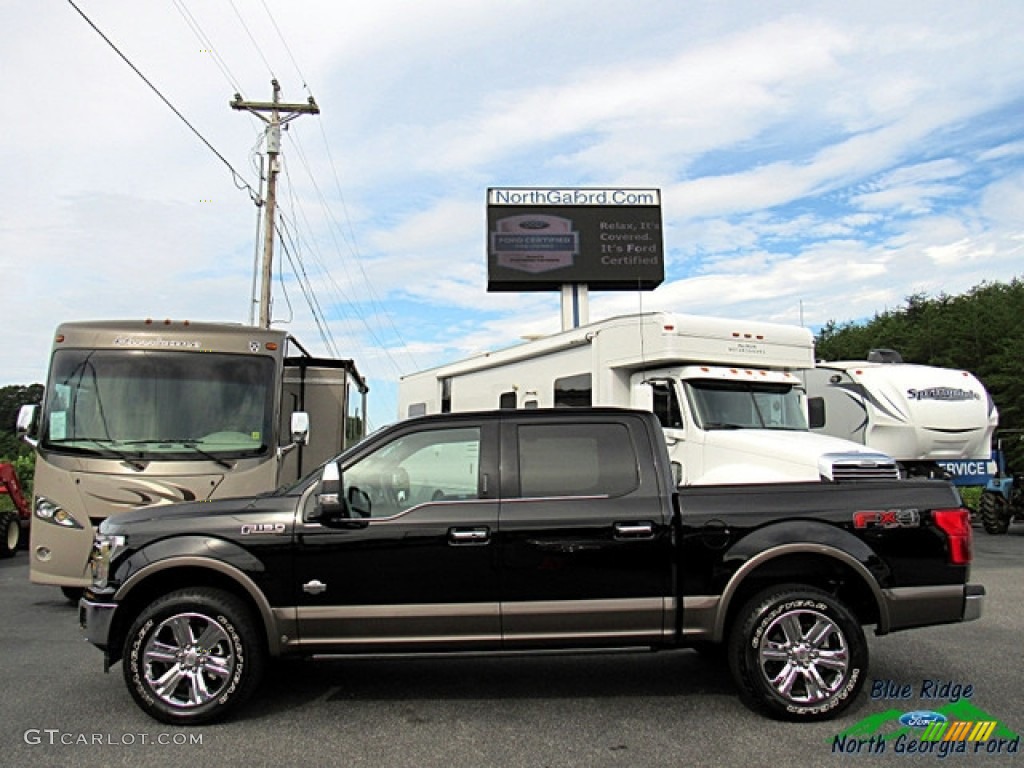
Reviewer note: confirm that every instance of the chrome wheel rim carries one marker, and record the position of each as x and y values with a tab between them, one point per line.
804	656
189	660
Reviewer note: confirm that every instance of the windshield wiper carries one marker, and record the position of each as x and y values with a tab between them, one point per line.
191	444
106	447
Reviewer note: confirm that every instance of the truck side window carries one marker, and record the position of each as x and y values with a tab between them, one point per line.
576	460
666	405
507	400
574	391
419	468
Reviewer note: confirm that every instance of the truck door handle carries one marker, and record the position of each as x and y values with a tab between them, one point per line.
643	530
466	536
314	587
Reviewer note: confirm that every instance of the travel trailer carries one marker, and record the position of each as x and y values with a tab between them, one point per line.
933	421
727	392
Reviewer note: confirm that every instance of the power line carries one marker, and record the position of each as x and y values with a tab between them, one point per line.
286	47
205	41
374	301
253	40
236	176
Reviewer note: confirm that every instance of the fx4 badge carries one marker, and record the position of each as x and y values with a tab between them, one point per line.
248	530
887	518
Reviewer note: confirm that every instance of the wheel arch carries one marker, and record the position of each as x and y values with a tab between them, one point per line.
177	573
811	564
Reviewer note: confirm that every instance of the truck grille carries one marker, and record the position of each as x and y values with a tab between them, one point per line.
850	467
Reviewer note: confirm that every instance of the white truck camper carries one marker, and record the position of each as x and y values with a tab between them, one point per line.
931	420
728	393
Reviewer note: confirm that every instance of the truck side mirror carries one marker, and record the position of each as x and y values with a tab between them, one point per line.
816	412
328	495
28	416
300	428
337	506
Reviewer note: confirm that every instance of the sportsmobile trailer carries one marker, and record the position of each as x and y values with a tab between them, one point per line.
140	413
727	393
931	420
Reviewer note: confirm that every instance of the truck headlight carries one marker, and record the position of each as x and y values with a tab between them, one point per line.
104	548
53	513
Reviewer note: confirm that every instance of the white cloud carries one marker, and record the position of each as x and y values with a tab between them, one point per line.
825	160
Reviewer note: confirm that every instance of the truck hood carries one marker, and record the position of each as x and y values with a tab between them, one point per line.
210	515
772	456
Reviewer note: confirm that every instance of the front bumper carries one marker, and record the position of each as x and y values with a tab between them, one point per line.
95	619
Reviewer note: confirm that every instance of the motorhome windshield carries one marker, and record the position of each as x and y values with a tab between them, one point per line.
139	405
722	404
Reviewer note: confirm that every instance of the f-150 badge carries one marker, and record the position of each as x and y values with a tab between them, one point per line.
273	528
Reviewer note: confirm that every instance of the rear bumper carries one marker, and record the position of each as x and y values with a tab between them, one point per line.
909	607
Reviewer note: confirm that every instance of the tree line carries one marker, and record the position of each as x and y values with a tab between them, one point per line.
12	450
981	331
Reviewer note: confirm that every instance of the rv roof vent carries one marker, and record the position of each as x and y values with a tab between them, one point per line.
884	356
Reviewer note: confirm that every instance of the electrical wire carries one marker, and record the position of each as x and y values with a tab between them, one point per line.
205	41
252	39
375	302
286	47
239	182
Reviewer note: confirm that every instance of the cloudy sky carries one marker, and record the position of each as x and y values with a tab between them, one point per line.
817	160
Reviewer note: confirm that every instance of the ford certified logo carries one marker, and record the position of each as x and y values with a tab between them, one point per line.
534	224
921	718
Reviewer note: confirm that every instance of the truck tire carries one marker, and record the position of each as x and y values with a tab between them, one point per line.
797	653
192	656
10	533
995	513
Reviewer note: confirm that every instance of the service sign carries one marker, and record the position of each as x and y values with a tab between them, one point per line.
541	238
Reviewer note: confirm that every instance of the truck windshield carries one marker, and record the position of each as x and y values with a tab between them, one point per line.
722	404
139	405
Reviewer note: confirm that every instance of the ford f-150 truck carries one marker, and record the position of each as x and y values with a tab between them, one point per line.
518	530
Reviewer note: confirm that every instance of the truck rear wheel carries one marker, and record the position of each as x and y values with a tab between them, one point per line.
797	653
10	533
192	656
995	513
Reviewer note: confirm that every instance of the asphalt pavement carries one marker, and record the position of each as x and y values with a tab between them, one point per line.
58	708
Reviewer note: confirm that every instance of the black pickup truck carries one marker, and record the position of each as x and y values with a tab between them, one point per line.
518	530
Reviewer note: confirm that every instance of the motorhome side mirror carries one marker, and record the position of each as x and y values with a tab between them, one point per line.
816	412
300	427
27	423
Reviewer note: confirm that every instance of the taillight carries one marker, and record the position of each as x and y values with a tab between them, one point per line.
956	524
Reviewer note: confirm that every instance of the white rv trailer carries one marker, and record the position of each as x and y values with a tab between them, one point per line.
929	419
727	392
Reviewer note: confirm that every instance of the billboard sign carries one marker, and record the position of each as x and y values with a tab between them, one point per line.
541	238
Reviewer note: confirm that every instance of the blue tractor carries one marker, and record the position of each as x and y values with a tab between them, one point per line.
1002	501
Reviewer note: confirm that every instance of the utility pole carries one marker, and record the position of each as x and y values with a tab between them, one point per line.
273	134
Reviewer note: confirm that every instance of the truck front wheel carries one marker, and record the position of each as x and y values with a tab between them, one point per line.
797	653
192	656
